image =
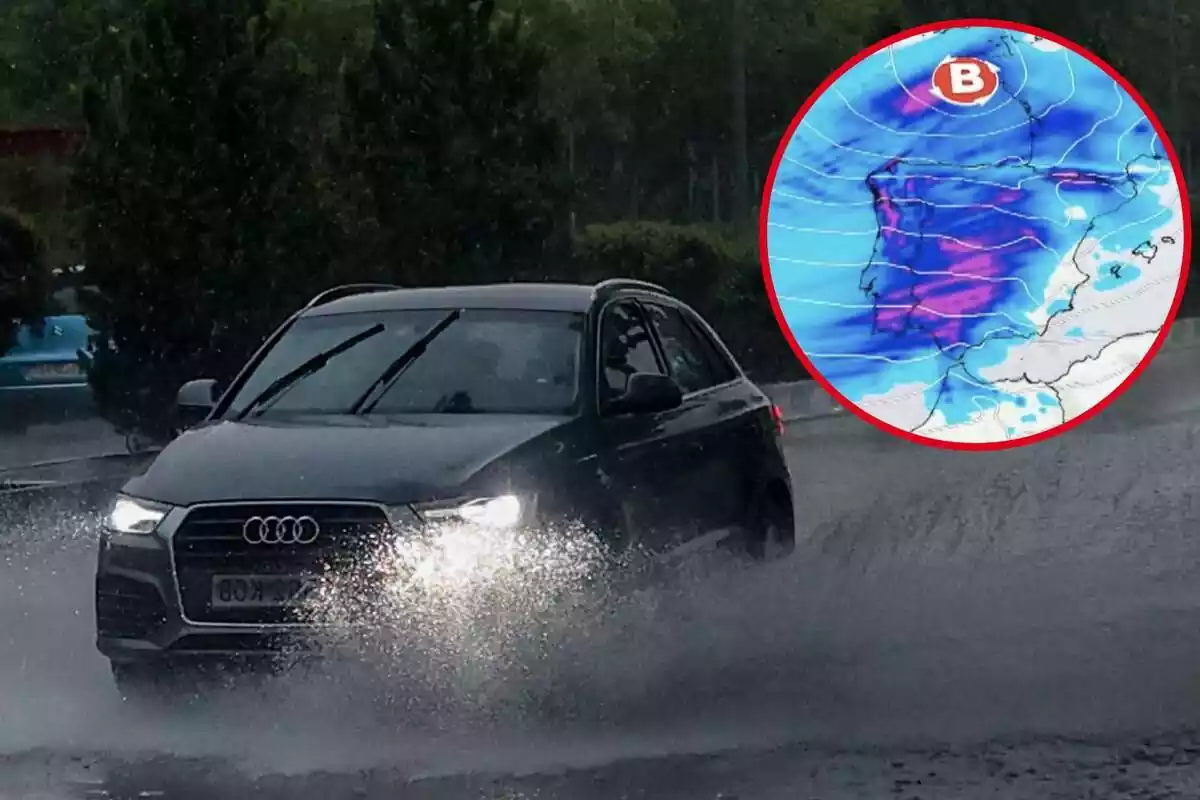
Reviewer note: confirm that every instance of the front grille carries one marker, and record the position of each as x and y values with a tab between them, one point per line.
210	541
128	609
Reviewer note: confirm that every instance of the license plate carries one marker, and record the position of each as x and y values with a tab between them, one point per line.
261	591
50	372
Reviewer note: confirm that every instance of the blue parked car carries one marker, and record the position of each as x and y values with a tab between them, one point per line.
44	377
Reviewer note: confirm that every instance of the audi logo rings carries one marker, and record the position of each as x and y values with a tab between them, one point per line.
281	530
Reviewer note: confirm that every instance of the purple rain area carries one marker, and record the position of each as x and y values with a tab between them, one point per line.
951	258
934	264
935	257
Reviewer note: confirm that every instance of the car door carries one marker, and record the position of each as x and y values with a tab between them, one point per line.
715	420
639	453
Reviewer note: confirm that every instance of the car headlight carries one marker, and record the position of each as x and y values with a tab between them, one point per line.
130	515
502	511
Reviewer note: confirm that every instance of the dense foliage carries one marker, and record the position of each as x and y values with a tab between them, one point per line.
24	278
243	154
449	164
719	276
202	223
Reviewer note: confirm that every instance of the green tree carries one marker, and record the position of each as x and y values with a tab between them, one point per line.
43	52
647	90
454	161
24	279
201	222
602	64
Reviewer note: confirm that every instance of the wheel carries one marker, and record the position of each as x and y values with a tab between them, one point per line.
615	556
139	681
154	683
606	524
12	424
136	444
772	533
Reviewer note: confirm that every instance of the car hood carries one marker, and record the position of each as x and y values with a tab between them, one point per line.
333	458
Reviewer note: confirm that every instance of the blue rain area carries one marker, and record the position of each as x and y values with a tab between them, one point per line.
960	396
1115	275
909	240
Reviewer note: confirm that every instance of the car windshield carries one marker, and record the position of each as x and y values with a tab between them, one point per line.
487	362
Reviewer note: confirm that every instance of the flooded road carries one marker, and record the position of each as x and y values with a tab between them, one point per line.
1020	624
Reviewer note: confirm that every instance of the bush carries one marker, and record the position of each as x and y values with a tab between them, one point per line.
718	276
24	278
448	158
700	266
201	221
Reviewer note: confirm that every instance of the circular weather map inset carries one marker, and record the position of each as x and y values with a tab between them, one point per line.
975	234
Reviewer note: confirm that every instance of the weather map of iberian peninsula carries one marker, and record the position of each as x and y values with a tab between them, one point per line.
975	236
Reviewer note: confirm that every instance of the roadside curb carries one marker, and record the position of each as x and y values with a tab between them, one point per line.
57	462
27	488
808	400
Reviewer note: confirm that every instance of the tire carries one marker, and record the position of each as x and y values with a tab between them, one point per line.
136	444
772	531
622	563
151	683
607	526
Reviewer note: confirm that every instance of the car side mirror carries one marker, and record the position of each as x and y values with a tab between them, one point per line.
195	400
648	393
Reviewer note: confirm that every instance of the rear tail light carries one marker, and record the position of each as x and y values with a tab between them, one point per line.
777	415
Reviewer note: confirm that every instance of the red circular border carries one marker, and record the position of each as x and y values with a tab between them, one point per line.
929	441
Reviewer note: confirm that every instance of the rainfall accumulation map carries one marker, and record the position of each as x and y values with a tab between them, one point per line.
975	235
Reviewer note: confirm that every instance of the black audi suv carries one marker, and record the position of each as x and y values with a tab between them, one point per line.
376	413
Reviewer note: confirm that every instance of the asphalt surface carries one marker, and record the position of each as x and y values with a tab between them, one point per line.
70	439
1021	625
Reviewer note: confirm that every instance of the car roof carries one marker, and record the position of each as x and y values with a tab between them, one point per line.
518	296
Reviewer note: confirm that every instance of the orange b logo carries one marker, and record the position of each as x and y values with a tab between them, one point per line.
965	81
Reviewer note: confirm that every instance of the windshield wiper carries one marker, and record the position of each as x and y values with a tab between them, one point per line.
394	370
317	362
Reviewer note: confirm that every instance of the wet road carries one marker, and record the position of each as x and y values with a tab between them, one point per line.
1022	624
68	439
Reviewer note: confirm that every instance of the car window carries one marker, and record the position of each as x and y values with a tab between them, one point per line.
723	370
625	348
498	362
686	359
